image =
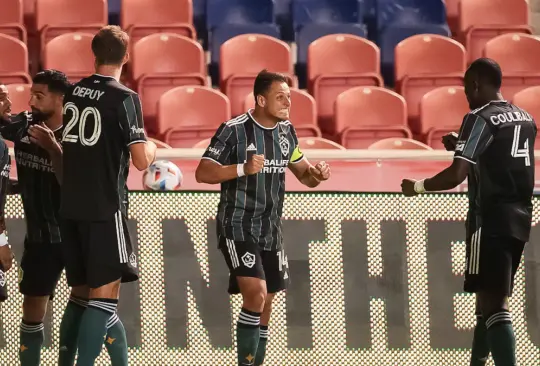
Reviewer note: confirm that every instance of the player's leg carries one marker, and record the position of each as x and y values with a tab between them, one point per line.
247	277
480	347
71	321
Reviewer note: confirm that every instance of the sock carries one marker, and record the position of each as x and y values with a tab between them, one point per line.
116	341
247	336
501	340
93	329
32	335
261	349
480	347
69	330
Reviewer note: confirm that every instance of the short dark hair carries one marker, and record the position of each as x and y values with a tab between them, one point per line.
56	81
487	71
110	45
264	81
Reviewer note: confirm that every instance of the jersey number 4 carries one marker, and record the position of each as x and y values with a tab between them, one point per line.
80	119
516	151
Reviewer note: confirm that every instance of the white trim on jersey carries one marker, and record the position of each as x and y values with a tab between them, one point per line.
258	124
238	120
209	158
232	253
464	158
474	260
120	237
136	142
485	105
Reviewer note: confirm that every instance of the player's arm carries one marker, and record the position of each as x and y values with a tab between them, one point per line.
143	152
309	175
43	136
6	256
14	128
474	137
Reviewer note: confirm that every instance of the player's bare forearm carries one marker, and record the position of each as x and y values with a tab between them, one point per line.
309	180
55	154
210	172
449	178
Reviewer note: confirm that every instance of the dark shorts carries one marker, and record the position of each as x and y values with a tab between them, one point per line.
492	263
247	259
99	252
40	269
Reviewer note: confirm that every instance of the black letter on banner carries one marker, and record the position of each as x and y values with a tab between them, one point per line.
181	268
297	234
360	288
532	285
443	285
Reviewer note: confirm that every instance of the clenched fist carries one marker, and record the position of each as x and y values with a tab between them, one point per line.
255	165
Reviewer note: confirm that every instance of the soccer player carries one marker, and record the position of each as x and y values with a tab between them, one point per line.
495	148
103	129
248	155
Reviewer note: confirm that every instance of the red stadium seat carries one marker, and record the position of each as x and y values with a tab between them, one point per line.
364	115
307	143
56	17
188	114
527	99
303	112
162	62
11	19
425	62
452	15
71	53
243	57
13	69
20	97
518	56
482	20
398	143
145	17
338	62
442	111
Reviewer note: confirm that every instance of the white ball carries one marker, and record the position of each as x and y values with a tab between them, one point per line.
162	175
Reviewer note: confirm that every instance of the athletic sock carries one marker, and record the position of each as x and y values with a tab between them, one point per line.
116	341
93	329
69	330
31	338
501	340
261	349
480	347
247	336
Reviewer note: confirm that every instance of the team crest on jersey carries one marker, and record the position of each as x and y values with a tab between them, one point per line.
248	259
284	144
133	260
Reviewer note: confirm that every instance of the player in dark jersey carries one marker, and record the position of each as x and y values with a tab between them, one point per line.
248	155
103	129
495	149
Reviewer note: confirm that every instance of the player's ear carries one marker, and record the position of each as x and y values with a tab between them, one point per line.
126	59
261	101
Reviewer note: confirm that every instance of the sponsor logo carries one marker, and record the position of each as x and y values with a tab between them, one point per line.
251	147
248	259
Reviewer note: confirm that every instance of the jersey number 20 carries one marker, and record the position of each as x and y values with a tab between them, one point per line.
81	118
516	151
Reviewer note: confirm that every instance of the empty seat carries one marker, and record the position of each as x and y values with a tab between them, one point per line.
518	56
482	20
20	97
190	113
14	67
221	12
326	12
441	111
243	57
527	99
425	62
303	113
161	62
71	53
398	143
336	63
307	143
11	19
56	17
364	115
144	17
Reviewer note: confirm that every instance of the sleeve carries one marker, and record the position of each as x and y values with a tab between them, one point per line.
131	120
221	145
474	138
297	155
5	166
15	128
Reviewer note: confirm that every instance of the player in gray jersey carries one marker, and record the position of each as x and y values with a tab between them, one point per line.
248	156
495	150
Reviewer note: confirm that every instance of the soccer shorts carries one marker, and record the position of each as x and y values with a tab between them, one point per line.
40	268
492	263
99	252
247	259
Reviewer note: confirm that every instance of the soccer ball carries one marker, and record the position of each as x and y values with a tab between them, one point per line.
162	175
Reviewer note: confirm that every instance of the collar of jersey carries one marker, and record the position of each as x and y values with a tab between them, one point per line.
258	124
103	76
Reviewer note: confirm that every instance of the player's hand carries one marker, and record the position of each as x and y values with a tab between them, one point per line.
449	141
42	136
6	257
407	187
321	171
255	165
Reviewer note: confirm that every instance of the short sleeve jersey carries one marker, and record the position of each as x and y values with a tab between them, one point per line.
102	118
250	207
498	140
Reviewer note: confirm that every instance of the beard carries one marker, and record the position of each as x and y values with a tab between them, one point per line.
40	116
